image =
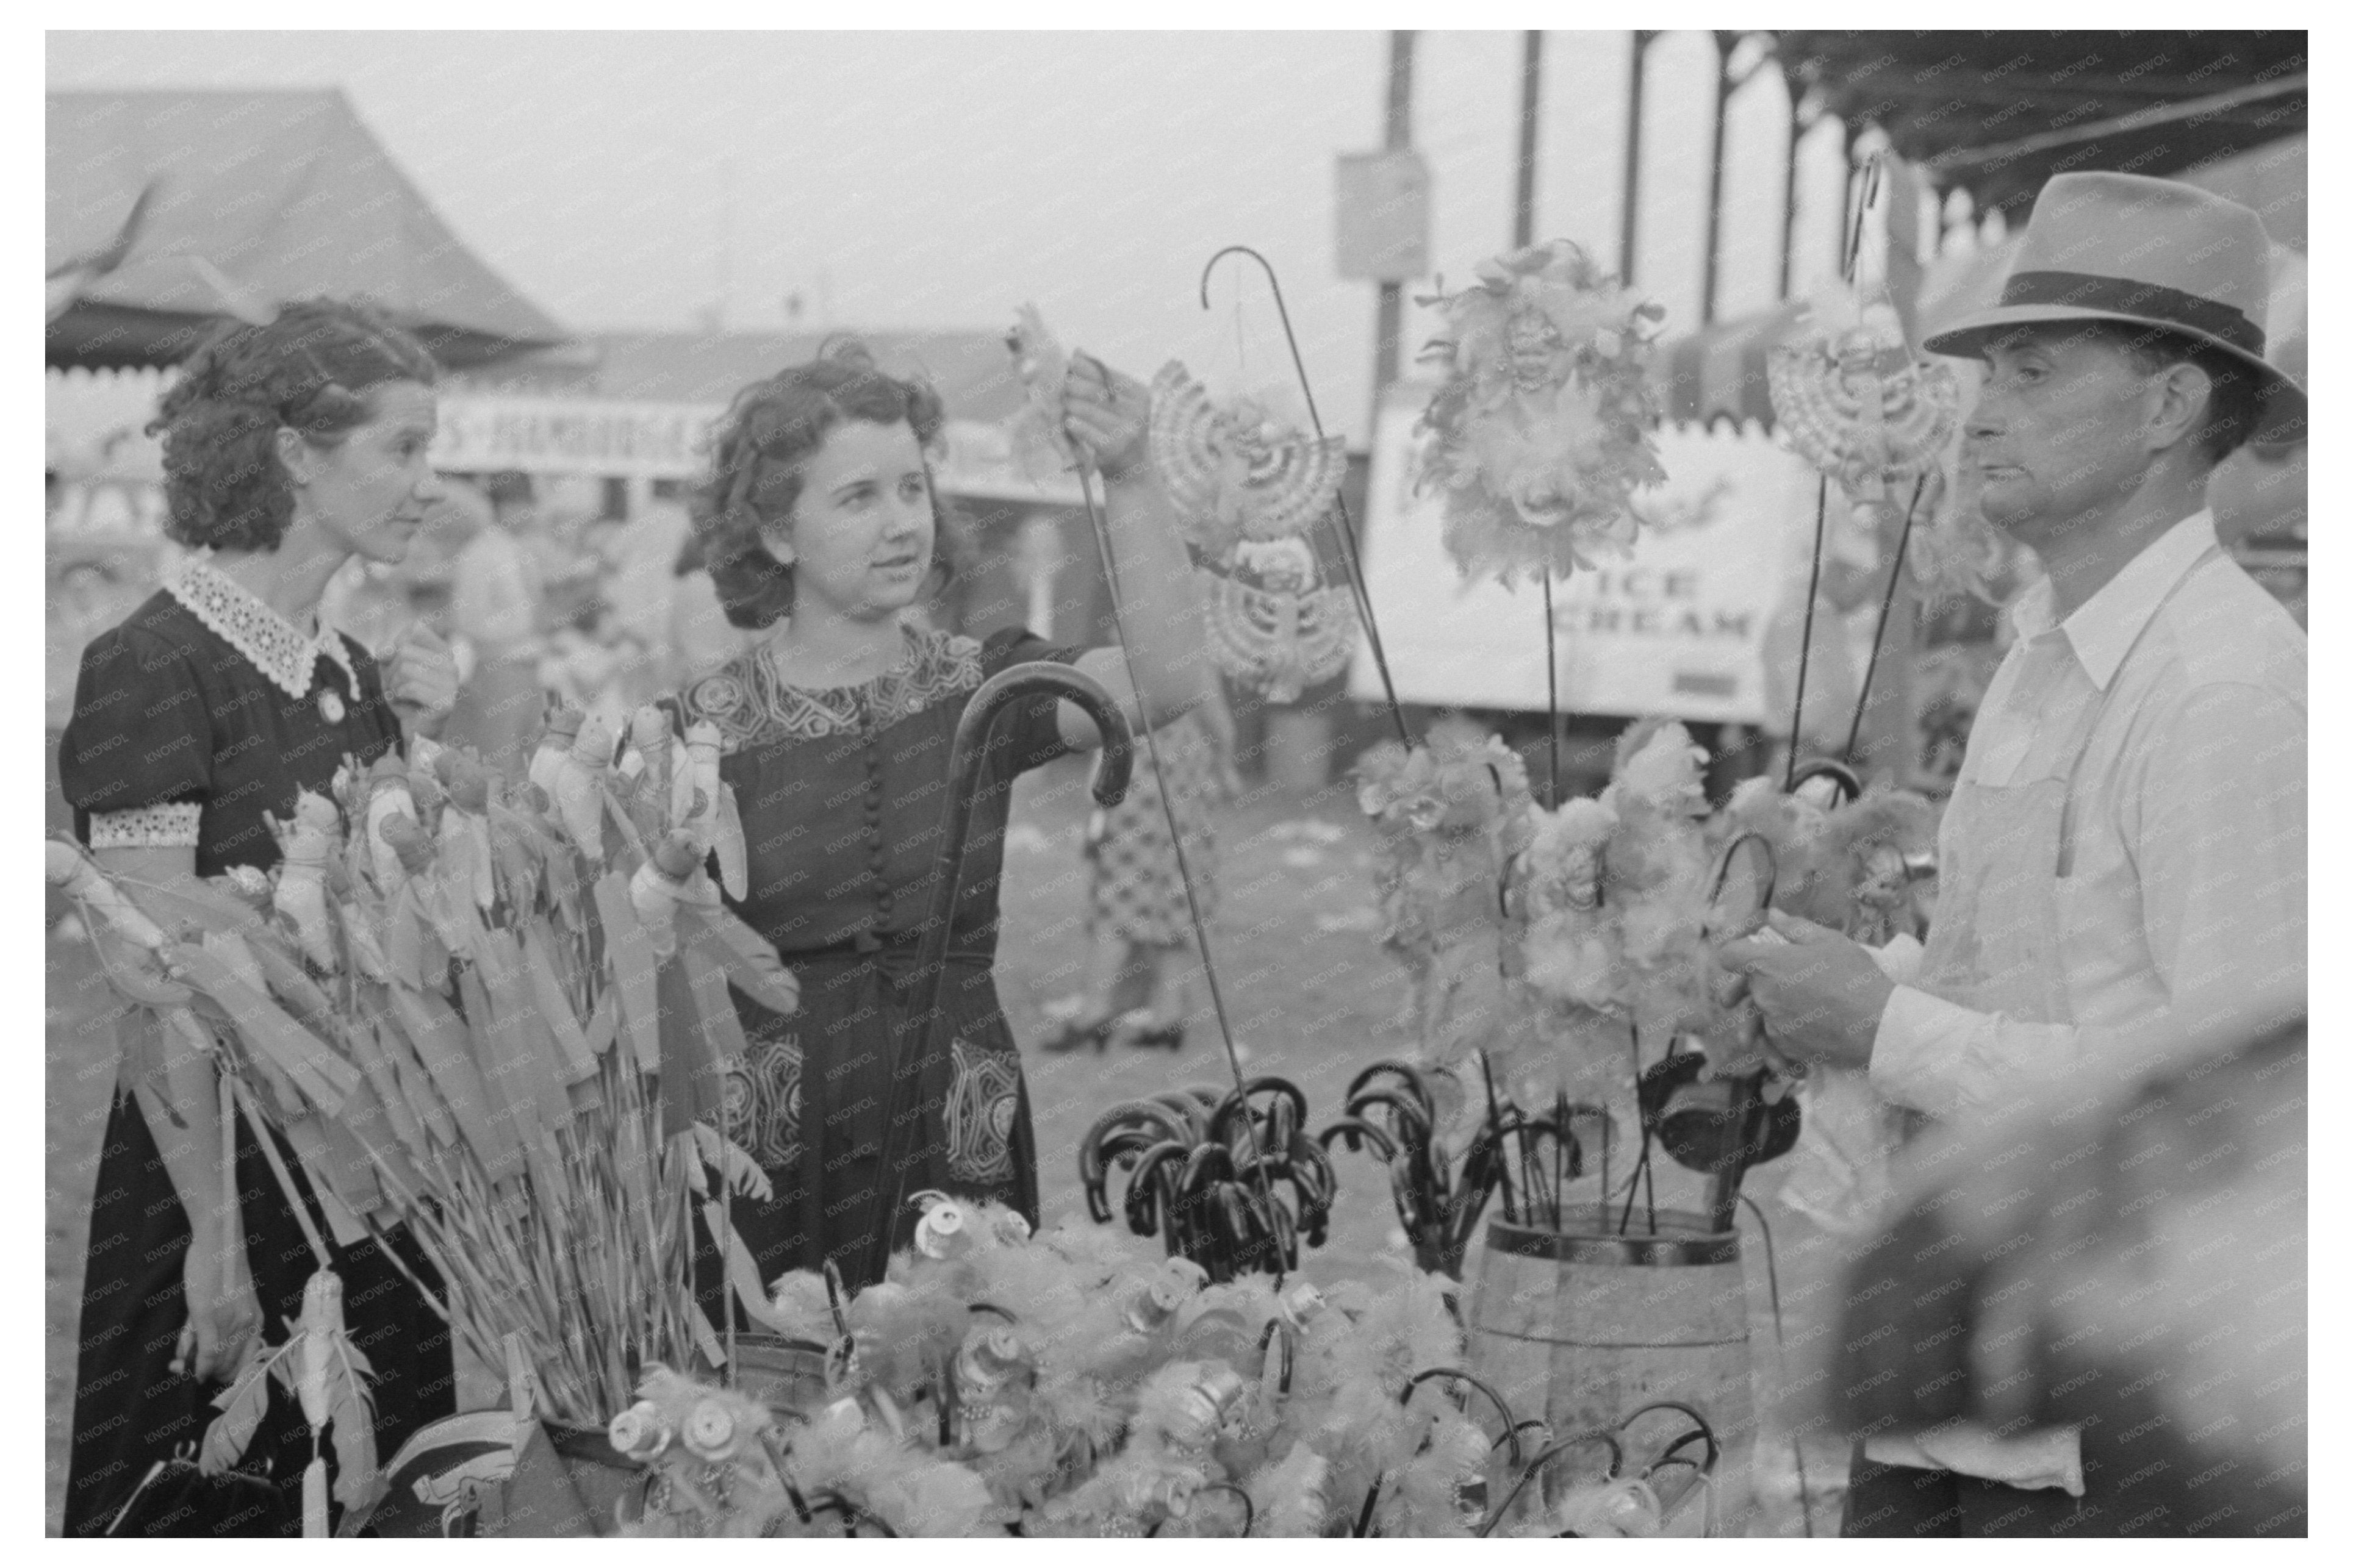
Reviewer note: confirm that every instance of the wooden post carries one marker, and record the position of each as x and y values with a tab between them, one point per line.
1524	209
1389	322
1715	181
1789	192
1631	205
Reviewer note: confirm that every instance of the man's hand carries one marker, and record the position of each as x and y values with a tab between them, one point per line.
1106	415
422	678
1821	995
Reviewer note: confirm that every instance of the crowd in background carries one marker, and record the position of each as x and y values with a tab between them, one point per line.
542	597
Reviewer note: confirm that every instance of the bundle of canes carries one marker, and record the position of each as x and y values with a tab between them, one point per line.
1202	1171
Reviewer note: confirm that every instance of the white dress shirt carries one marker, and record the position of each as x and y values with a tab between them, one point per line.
2181	882
2180	890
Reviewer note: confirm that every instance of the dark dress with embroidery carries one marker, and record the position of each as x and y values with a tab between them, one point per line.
840	794
167	713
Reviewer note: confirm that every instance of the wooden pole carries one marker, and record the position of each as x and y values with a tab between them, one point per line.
1630	201
1789	193
1524	208
1715	182
1397	135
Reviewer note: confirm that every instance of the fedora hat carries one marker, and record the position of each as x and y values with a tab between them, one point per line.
2150	252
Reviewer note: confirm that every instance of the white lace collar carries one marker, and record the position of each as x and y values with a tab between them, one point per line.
287	657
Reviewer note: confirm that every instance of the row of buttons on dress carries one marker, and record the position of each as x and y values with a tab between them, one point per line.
875	859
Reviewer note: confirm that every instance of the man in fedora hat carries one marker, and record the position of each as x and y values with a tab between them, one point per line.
2125	845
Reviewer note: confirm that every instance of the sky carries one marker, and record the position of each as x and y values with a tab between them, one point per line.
939	180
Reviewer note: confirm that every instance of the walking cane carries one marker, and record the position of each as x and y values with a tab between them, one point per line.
921	1048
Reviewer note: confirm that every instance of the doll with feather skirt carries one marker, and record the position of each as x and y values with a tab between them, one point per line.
1449	818
1541	432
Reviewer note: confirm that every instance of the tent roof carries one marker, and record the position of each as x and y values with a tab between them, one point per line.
258	198
971	370
1997	114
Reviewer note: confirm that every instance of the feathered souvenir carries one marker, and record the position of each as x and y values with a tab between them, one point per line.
389	800
305	843
1542	432
1855	401
1448	819
1044	367
1271	626
580	786
704	803
1657	866
465	842
1572	956
646	767
1571	951
658	887
326	1375
554	745
1233	471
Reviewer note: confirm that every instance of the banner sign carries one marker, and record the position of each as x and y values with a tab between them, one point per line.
572	436
1678	627
670	441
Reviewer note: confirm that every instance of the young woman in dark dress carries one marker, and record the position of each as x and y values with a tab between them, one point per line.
819	522
287	449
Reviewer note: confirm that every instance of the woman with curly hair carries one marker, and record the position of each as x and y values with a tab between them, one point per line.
287	449
819	525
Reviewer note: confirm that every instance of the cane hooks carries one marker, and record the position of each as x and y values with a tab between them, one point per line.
1346	533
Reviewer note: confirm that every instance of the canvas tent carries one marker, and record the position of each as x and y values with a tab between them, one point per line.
255	199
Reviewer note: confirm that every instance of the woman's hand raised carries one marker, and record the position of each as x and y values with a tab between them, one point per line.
1106	415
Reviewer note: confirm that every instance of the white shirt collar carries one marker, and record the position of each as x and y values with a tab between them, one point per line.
2105	626
286	656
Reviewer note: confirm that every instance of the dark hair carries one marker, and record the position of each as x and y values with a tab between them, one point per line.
757	453
309	370
2234	408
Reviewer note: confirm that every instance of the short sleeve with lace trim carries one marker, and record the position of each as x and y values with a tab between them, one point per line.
137	756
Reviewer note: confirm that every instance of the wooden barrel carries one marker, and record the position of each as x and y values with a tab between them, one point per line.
1583	1326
